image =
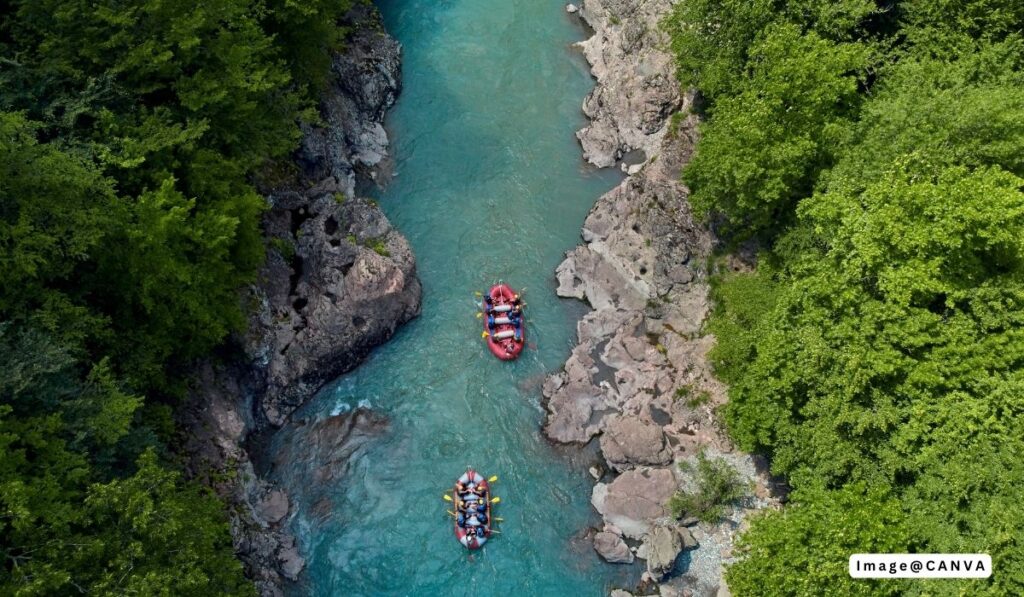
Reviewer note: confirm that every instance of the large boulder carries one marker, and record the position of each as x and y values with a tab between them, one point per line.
663	545
289	559
635	500
273	507
629	441
612	548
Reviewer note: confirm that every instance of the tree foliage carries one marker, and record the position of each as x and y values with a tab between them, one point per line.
718	487
129	137
877	352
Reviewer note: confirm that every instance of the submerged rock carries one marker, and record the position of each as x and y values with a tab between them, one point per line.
326	445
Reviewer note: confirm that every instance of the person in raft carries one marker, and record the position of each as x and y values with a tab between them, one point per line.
472	509
516	317
466	512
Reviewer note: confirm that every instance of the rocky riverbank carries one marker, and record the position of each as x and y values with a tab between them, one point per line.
639	378
338	281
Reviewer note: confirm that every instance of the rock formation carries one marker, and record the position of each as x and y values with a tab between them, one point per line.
338	281
639	376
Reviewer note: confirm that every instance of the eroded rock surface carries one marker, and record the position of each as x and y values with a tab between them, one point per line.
639	376
349	283
338	281
628	441
637	90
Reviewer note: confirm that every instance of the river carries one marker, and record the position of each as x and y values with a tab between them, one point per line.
489	185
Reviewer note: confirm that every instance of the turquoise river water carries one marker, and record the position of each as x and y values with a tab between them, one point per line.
489	185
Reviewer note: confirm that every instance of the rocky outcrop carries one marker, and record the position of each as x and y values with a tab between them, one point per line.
637	90
338	280
365	82
639	376
641	267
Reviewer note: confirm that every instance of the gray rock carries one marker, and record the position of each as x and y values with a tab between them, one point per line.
612	548
663	547
291	562
571	9
350	285
365	82
628	441
689	542
634	500
348	279
273	507
636	90
572	413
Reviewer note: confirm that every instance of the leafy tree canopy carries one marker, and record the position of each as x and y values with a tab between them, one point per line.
130	134
877	352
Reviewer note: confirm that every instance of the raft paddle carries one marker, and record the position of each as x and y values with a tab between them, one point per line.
493	479
447	497
496	500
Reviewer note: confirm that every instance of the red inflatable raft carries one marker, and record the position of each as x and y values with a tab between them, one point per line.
472	510
504	324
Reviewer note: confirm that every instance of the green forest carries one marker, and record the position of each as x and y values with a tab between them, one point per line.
874	152
132	139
